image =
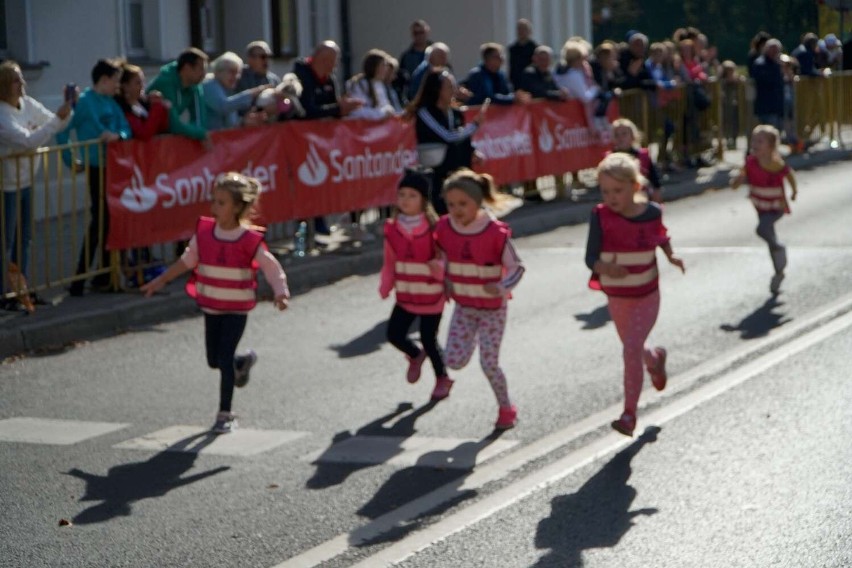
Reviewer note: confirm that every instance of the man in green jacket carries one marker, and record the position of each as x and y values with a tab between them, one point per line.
180	83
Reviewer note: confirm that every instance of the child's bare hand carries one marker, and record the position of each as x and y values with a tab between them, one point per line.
281	302
152	287
492	288
678	262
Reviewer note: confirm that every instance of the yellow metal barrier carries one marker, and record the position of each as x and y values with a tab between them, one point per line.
56	220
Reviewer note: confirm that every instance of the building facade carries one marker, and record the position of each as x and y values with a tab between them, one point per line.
58	41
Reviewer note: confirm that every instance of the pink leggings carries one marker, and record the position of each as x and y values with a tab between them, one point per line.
468	325
634	318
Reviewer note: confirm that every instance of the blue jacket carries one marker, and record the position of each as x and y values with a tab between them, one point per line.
94	115
487	85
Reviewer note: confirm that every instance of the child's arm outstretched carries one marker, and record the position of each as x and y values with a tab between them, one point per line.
177	268
667	248
791	179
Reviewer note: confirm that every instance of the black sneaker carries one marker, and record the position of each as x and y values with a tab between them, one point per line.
242	366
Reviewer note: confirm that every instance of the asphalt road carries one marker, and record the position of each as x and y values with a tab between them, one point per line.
755	475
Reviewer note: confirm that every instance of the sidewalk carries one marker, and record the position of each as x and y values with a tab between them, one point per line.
71	320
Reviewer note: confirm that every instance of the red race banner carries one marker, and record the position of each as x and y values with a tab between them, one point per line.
156	190
505	140
563	140
347	165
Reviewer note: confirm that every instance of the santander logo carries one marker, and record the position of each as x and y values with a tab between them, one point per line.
138	197
545	138
313	170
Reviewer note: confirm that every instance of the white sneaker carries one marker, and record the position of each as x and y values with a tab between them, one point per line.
226	422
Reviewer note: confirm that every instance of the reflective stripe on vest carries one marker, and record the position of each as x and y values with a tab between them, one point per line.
413	281
473	262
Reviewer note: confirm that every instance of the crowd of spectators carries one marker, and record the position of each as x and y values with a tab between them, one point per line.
192	96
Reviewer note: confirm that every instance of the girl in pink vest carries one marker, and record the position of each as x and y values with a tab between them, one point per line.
624	233
482	269
626	138
224	255
413	269
765	171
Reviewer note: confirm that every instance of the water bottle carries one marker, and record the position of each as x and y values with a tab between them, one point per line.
300	242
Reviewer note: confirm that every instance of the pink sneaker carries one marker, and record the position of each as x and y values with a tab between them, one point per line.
625	424
507	418
658	371
443	385
414	366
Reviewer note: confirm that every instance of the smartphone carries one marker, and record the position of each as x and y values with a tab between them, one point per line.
71	94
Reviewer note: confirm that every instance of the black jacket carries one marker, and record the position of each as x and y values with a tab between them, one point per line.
539	84
318	99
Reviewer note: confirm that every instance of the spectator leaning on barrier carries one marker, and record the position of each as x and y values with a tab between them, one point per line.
806	53
487	80
223	108
605	68
831	53
756	47
632	62
537	78
256	69
769	85
412	57
96	117
370	88
521	52
146	113
25	124
180	84
320	92
437	56
440	123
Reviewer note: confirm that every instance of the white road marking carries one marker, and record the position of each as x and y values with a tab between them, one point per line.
49	431
503	466
195	439
449	453
605	446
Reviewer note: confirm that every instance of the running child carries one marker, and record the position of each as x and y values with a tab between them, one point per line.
624	233
482	269
224	255
413	269
626	139
765	172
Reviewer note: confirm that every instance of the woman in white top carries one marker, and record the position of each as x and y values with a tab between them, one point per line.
370	87
25	124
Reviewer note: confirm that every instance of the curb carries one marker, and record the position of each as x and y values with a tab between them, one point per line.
98	316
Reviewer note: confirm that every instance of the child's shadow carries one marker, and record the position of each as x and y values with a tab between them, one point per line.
125	484
329	473
761	321
446	470
368	342
597	515
595	319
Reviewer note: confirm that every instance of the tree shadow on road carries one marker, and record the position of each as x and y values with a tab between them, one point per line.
595	319
598	515
368	342
331	472
761	321
443	471
125	484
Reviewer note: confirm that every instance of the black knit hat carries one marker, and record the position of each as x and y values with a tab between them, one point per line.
419	179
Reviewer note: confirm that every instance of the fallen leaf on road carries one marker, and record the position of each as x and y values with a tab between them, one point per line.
65	523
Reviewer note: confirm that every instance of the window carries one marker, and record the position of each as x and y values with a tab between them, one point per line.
4	41
205	24
134	28
285	41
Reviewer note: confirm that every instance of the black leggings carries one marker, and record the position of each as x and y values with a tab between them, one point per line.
399	323
222	333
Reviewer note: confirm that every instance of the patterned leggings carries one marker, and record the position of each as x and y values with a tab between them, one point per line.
468	325
634	318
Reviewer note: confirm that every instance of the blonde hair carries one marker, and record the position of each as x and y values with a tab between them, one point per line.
629	124
574	51
621	167
769	131
479	187
244	190
8	73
